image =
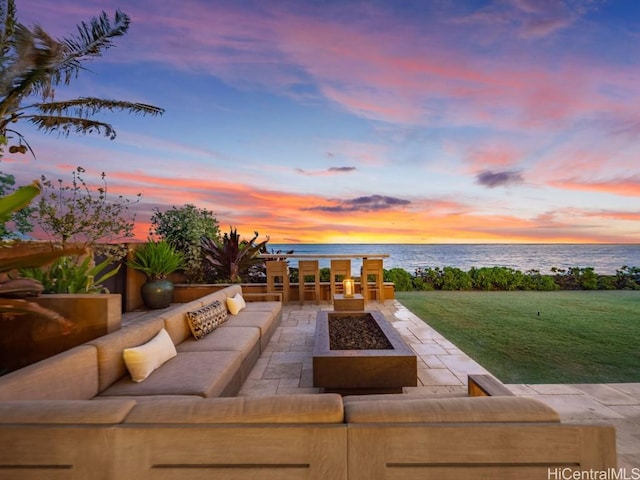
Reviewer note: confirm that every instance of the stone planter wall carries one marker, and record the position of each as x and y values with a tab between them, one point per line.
27	339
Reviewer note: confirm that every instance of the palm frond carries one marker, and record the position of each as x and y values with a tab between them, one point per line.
92	38
8	21
66	125
32	70
97	35
86	106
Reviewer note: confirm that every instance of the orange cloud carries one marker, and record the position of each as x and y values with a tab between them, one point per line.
627	186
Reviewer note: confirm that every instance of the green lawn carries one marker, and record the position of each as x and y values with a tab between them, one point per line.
540	337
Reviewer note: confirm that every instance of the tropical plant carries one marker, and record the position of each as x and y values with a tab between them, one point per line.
183	228
231	258
33	64
18	200
156	260
17	255
70	275
73	213
18	224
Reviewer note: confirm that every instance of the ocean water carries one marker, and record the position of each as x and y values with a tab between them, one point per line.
604	258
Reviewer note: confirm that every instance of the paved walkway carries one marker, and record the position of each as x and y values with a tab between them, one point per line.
286	367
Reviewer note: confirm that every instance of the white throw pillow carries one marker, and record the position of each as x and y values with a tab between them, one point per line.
235	304
143	360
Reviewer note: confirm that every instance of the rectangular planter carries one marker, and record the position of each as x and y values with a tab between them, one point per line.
26	339
362	371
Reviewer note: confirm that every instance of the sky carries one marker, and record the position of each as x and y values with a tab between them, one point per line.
371	121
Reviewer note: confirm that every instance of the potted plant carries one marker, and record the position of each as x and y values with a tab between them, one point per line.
156	260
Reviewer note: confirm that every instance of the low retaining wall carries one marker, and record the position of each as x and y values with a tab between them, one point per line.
188	292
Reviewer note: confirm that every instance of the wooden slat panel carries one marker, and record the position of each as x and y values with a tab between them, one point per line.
271	452
476	451
51	453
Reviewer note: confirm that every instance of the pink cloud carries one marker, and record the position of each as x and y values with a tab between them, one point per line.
492	155
382	67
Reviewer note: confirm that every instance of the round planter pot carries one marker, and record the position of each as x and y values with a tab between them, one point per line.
157	294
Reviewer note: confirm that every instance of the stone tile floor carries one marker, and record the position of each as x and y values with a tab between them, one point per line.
286	367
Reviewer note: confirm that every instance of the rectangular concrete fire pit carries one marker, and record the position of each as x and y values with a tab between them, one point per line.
385	368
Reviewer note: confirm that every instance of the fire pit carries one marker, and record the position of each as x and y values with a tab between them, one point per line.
361	352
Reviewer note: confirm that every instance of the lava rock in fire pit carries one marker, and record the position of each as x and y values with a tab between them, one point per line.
356	333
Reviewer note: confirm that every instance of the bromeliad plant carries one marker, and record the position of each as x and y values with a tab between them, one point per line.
230	259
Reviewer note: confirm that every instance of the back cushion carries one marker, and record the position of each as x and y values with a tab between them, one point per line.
300	408
175	321
451	410
65	411
222	295
70	375
111	347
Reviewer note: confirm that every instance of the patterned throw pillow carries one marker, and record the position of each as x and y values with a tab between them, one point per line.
205	320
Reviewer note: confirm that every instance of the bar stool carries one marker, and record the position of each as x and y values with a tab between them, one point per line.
374	268
339	268
278	278
308	268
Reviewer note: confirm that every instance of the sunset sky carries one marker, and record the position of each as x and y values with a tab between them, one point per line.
339	121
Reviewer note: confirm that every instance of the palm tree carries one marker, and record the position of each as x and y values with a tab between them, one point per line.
33	64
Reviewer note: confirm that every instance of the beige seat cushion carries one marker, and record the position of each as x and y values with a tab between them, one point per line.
451	410
271	307
325	408
241	339
206	374
247	318
65	411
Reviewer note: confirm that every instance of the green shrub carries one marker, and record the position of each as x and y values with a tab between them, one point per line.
628	278
534	280
606	282
455	279
401	279
183	228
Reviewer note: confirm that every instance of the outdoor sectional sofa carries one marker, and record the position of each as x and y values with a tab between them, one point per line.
78	415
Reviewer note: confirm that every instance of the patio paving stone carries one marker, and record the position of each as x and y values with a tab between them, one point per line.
607	395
